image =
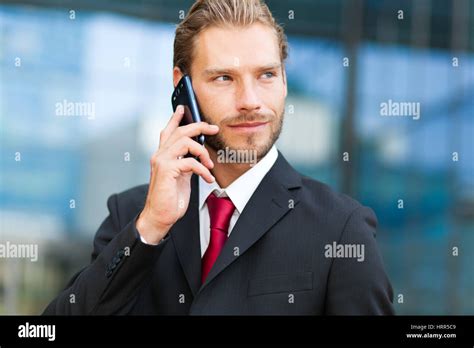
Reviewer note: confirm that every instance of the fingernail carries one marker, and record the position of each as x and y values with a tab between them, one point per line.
180	108
213	126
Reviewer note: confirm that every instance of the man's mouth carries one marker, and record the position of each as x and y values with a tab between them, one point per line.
248	126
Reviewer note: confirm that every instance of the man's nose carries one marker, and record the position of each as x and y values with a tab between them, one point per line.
247	97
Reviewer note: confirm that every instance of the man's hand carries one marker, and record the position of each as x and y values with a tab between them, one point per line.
170	188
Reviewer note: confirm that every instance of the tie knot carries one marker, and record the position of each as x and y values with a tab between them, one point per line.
220	211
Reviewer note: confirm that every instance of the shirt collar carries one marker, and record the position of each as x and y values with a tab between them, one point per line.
242	189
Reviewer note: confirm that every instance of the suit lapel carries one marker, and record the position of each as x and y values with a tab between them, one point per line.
186	239
270	202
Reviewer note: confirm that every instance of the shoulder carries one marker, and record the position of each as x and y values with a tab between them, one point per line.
320	205
317	196
327	197
128	203
134	195
334	211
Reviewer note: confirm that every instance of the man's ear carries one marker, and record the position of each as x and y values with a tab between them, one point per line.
177	75
285	85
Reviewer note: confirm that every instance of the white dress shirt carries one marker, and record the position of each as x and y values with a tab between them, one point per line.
239	193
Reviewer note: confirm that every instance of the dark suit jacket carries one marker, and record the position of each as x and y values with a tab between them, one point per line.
273	262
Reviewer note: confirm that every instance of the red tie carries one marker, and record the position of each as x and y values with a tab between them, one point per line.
220	212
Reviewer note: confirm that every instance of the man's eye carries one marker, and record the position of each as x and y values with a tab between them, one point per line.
268	74
222	78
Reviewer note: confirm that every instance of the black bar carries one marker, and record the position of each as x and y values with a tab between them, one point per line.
291	330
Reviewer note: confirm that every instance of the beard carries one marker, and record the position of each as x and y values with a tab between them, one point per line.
219	143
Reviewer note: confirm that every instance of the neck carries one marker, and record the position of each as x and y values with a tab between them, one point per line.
226	173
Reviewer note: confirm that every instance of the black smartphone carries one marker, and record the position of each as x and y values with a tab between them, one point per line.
183	94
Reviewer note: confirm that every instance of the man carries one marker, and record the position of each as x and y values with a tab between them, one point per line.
217	237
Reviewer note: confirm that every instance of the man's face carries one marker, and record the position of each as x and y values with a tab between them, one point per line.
238	79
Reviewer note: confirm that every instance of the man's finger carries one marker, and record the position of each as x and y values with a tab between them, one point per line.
173	123
193	130
190	164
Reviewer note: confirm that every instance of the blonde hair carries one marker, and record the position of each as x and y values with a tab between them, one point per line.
206	13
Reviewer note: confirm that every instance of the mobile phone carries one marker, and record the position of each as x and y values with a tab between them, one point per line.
183	94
